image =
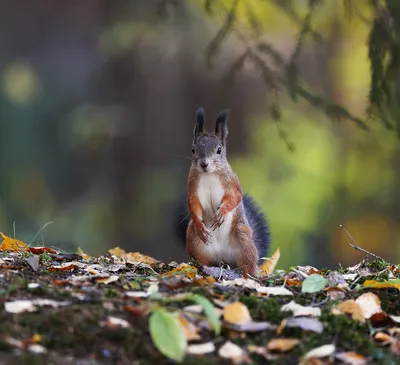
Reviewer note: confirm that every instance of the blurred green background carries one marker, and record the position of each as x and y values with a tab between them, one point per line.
98	102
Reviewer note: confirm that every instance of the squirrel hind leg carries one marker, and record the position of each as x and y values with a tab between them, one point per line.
195	247
247	257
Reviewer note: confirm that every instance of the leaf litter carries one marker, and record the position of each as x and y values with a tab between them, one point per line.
142	308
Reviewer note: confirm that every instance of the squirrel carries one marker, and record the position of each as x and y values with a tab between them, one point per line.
220	223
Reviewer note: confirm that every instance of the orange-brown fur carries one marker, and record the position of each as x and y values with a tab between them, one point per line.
196	237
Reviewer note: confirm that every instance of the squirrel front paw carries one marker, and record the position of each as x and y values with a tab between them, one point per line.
204	233
218	219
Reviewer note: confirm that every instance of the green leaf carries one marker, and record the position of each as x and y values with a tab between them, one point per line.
209	311
167	334
313	283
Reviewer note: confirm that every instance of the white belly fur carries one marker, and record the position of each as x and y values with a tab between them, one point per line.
222	247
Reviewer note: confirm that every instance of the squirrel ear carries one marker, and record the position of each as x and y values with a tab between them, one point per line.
221	127
199	127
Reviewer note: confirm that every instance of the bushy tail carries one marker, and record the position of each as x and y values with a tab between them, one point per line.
257	221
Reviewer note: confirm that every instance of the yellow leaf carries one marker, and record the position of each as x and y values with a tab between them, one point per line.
11	244
269	265
369	304
136	257
191	331
187	270
116	251
350	307
384	284
236	313
84	255
282	344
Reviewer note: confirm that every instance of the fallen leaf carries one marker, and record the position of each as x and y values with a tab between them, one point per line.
236	313
305	323
37	349
369	304
349	307
40	250
201	349
81	253
167	334
209	310
34	262
195	308
250	326
136	257
308	270
68	266
322	351
269	265
277	290
114	322
116	251
382	284
293	282
299	310
336	280
107	280
351	358
383	337
24	305
208	280
243	282
314	283
11	244
191	331
282	344
232	352
188	271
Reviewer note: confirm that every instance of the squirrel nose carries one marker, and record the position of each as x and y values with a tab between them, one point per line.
203	164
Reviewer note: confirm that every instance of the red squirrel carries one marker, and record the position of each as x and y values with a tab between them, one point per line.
225	225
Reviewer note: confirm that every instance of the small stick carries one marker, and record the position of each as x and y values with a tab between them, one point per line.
357	247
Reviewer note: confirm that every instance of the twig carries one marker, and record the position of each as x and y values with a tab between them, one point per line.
357	247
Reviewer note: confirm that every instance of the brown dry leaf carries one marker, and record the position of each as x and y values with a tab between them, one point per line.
24	305
138	310
64	267
349	307
351	358
107	280
191	331
11	244
369	304
299	310
186	270
282	344
236	313
383	337
136	257
268	266
293	282
233	352
208	280
40	250
384	284
308	270
84	255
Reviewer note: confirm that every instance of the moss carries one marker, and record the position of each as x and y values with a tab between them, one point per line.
378	265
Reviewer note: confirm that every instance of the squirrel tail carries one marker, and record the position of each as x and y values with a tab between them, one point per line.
257	222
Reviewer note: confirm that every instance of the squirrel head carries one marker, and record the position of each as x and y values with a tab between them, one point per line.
209	149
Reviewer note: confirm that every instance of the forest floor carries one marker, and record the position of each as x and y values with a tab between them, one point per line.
126	308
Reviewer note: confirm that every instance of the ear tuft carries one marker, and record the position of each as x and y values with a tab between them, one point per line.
199	127
221	127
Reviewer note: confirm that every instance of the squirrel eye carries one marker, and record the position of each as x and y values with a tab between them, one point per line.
193	150
219	150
